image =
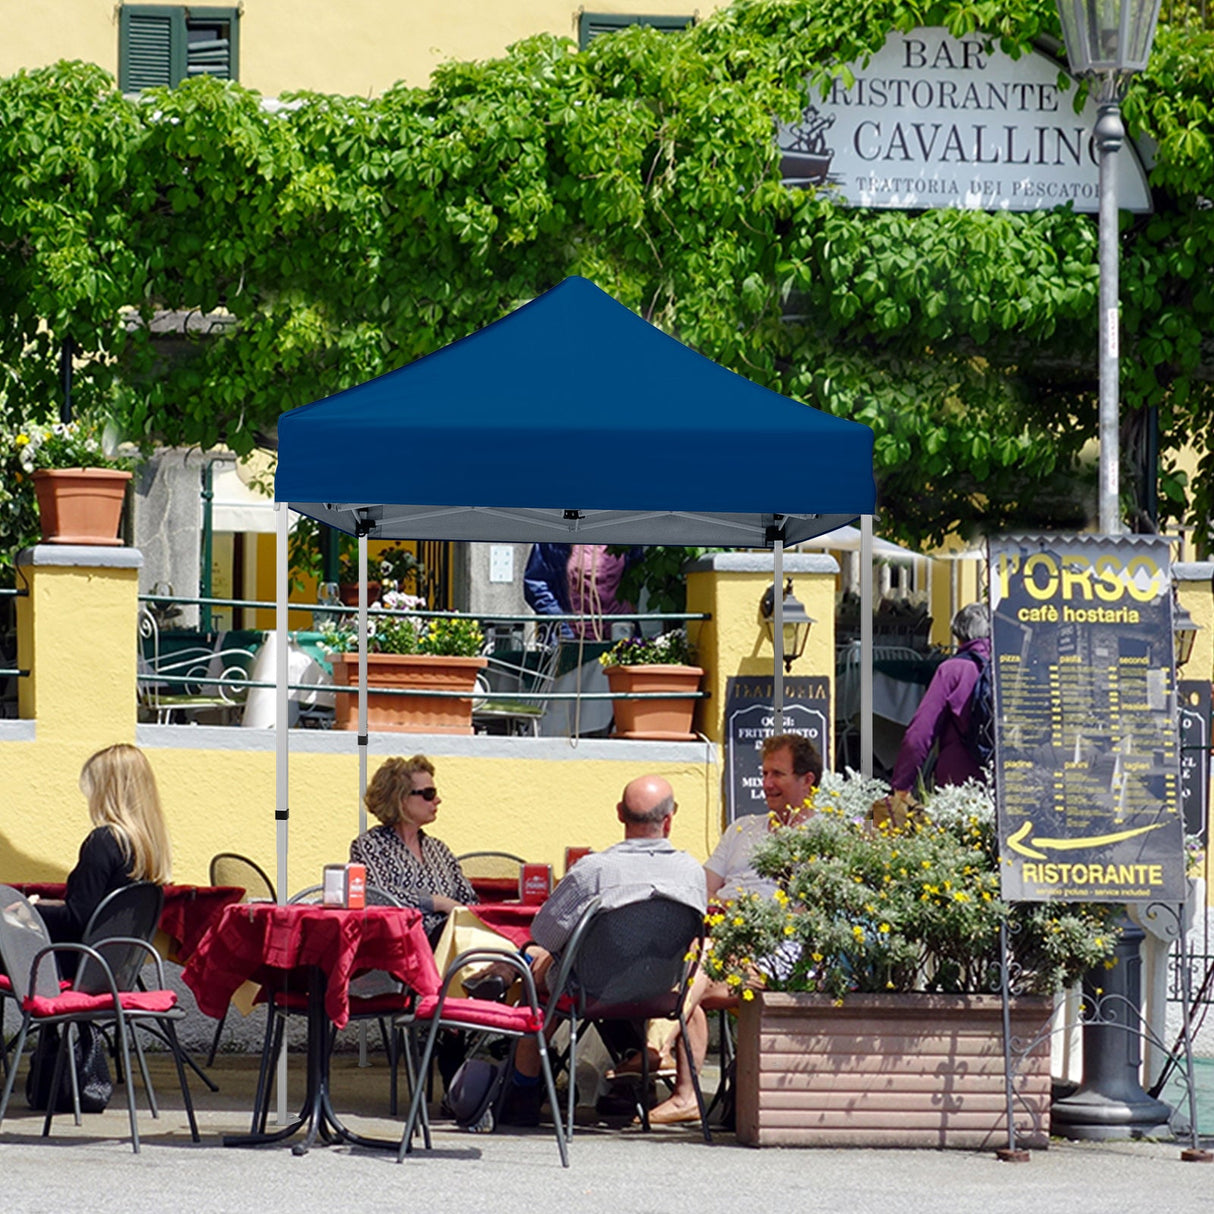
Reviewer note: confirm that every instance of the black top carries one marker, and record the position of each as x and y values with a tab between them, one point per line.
102	868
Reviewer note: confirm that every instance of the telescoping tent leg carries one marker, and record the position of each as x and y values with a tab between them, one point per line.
281	747
866	646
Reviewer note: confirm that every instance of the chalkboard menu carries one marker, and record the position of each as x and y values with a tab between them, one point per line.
750	720
1087	743
1195	757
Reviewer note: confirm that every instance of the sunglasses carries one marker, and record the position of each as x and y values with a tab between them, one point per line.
426	794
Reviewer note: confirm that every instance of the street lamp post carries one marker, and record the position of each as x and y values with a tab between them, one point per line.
1108	41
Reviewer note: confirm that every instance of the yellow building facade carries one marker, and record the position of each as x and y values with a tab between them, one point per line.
358	47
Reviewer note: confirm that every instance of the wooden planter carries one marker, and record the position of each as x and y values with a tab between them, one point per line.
661	720
408	714
889	1071
80	505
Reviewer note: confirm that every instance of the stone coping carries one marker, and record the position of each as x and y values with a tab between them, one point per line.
91	556
762	562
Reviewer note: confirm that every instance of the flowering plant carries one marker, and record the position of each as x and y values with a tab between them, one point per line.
896	908
389	631
668	649
61	445
1194	856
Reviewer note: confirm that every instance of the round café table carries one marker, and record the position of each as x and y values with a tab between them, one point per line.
317	949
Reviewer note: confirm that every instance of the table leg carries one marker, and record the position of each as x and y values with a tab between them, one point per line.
316	1116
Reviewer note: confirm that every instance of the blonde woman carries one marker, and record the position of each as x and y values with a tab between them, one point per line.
129	841
400	856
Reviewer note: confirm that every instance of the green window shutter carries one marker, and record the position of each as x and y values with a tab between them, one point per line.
591	25
149	47
165	44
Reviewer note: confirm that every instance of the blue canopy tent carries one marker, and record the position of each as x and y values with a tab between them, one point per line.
523	431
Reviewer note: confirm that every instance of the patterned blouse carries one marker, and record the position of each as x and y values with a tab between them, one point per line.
394	868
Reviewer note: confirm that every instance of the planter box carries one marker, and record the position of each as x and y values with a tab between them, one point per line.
80	505
888	1071
657	720
408	714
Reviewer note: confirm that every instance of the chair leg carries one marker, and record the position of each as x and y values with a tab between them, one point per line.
61	1055
553	1102
175	1046
130	1085
215	1040
72	1036
419	1093
269	1051
153	1107
695	1078
22	1034
571	1057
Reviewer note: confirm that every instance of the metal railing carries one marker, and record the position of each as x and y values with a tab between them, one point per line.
324	613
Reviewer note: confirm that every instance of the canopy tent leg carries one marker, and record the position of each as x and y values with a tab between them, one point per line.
281	747
777	639
362	727
866	646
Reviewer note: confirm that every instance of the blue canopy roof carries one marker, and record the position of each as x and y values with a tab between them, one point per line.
573	419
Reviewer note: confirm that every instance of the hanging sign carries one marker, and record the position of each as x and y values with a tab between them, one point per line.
750	721
934	121
1087	763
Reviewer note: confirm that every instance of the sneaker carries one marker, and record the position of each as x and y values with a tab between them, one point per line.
520	1106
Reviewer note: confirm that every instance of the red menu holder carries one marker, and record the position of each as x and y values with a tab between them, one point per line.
345	885
534	882
574	854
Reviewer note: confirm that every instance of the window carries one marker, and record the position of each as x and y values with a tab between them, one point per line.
591	25
165	44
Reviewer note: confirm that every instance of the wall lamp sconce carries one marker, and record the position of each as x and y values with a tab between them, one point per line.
797	622
1184	632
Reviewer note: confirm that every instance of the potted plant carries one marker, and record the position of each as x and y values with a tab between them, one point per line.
393	568
408	651
79	489
648	665
867	1013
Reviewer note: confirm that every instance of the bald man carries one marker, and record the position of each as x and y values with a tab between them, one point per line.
643	866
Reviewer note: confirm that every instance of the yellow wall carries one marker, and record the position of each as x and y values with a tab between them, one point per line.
356	47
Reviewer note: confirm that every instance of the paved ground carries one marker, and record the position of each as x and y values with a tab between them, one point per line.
615	1169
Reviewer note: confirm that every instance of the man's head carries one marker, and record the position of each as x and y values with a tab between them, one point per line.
791	768
647	808
971	622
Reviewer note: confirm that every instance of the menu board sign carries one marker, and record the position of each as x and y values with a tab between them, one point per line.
750	721
1195	757
1087	743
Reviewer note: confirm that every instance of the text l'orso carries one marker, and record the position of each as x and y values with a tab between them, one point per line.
1047	577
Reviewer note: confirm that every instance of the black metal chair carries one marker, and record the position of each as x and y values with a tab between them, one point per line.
230	868
632	963
104	991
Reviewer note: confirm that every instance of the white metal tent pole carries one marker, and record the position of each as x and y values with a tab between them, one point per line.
777	639
362	683
282	677
362	729
866	645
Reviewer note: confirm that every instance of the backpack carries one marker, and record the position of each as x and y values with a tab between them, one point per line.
980	738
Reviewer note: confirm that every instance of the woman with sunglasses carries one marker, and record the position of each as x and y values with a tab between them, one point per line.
399	855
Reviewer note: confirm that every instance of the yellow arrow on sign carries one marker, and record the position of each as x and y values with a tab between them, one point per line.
1017	841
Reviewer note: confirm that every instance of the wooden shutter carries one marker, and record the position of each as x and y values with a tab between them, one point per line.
591	25
147	40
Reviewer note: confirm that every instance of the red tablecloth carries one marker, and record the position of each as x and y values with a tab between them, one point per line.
509	919
188	914
261	941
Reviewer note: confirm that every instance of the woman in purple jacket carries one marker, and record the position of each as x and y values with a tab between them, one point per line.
943	716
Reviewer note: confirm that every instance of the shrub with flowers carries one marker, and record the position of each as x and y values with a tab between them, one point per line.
391	629
885	908
667	649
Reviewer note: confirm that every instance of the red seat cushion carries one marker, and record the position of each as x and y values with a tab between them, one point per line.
74	1002
483	1014
390	1003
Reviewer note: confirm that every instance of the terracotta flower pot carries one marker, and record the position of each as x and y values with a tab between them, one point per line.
889	1071
348	592
408	714
659	720
80	505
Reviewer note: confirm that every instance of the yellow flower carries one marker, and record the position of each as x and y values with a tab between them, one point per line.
816	956
789	930
738	921
748	995
858	932
884	928
733	980
22	440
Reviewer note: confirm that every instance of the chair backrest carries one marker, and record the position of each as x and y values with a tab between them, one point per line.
632	962
133	912
22	934
491	865
229	868
375	896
